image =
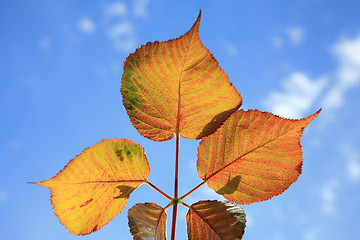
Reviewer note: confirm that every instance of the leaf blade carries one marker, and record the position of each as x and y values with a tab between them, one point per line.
147	221
177	87
95	186
253	156
215	220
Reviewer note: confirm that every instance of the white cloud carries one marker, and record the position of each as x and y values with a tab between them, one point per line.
232	50
122	35
277	42
278	236
120	28
298	96
300	92
311	234
86	25
347	74
352	158
293	34
3	196
348	50
328	196
117	9
45	43
140	8
296	35
14	144
250	220
124	28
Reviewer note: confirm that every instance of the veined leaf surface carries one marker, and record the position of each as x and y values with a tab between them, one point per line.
95	186
253	156
177	87
147	221
215	220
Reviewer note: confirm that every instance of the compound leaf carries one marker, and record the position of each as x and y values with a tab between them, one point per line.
253	156
147	221
95	186
215	220
177	87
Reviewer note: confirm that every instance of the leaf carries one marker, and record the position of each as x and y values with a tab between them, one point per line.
147	221
95	186
177	87
253	156
215	220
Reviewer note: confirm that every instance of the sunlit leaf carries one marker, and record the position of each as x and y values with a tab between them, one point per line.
95	186
147	221
253	156
215	220
177	87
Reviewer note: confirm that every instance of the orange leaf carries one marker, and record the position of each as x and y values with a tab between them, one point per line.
95	186
215	220
147	221
177	87
253	156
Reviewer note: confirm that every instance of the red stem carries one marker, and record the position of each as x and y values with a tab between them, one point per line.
157	189
193	190
176	187
177	167
173	227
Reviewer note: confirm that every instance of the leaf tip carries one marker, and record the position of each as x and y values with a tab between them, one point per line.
41	183
197	22
312	116
318	111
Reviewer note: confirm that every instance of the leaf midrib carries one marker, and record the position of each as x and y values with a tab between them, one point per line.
247	153
205	221
180	79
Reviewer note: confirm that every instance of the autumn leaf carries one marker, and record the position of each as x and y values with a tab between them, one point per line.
177	87
95	186
147	221
253	156
215	220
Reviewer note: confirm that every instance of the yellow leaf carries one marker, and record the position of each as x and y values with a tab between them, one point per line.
147	221
215	220
177	87
95	186
253	156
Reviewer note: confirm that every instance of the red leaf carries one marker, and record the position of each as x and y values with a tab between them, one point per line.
253	156
215	220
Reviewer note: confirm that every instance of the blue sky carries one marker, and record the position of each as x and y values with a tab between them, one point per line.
61	66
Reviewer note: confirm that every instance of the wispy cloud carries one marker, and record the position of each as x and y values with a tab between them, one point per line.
122	35
298	95
352	157
116	9
232	50
296	35
45	43
14	144
3	196
347	76
86	25
140	8
300	91
277	41
328	194
311	234
121	29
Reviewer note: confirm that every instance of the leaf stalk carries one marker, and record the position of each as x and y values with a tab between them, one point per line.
158	190
176	188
